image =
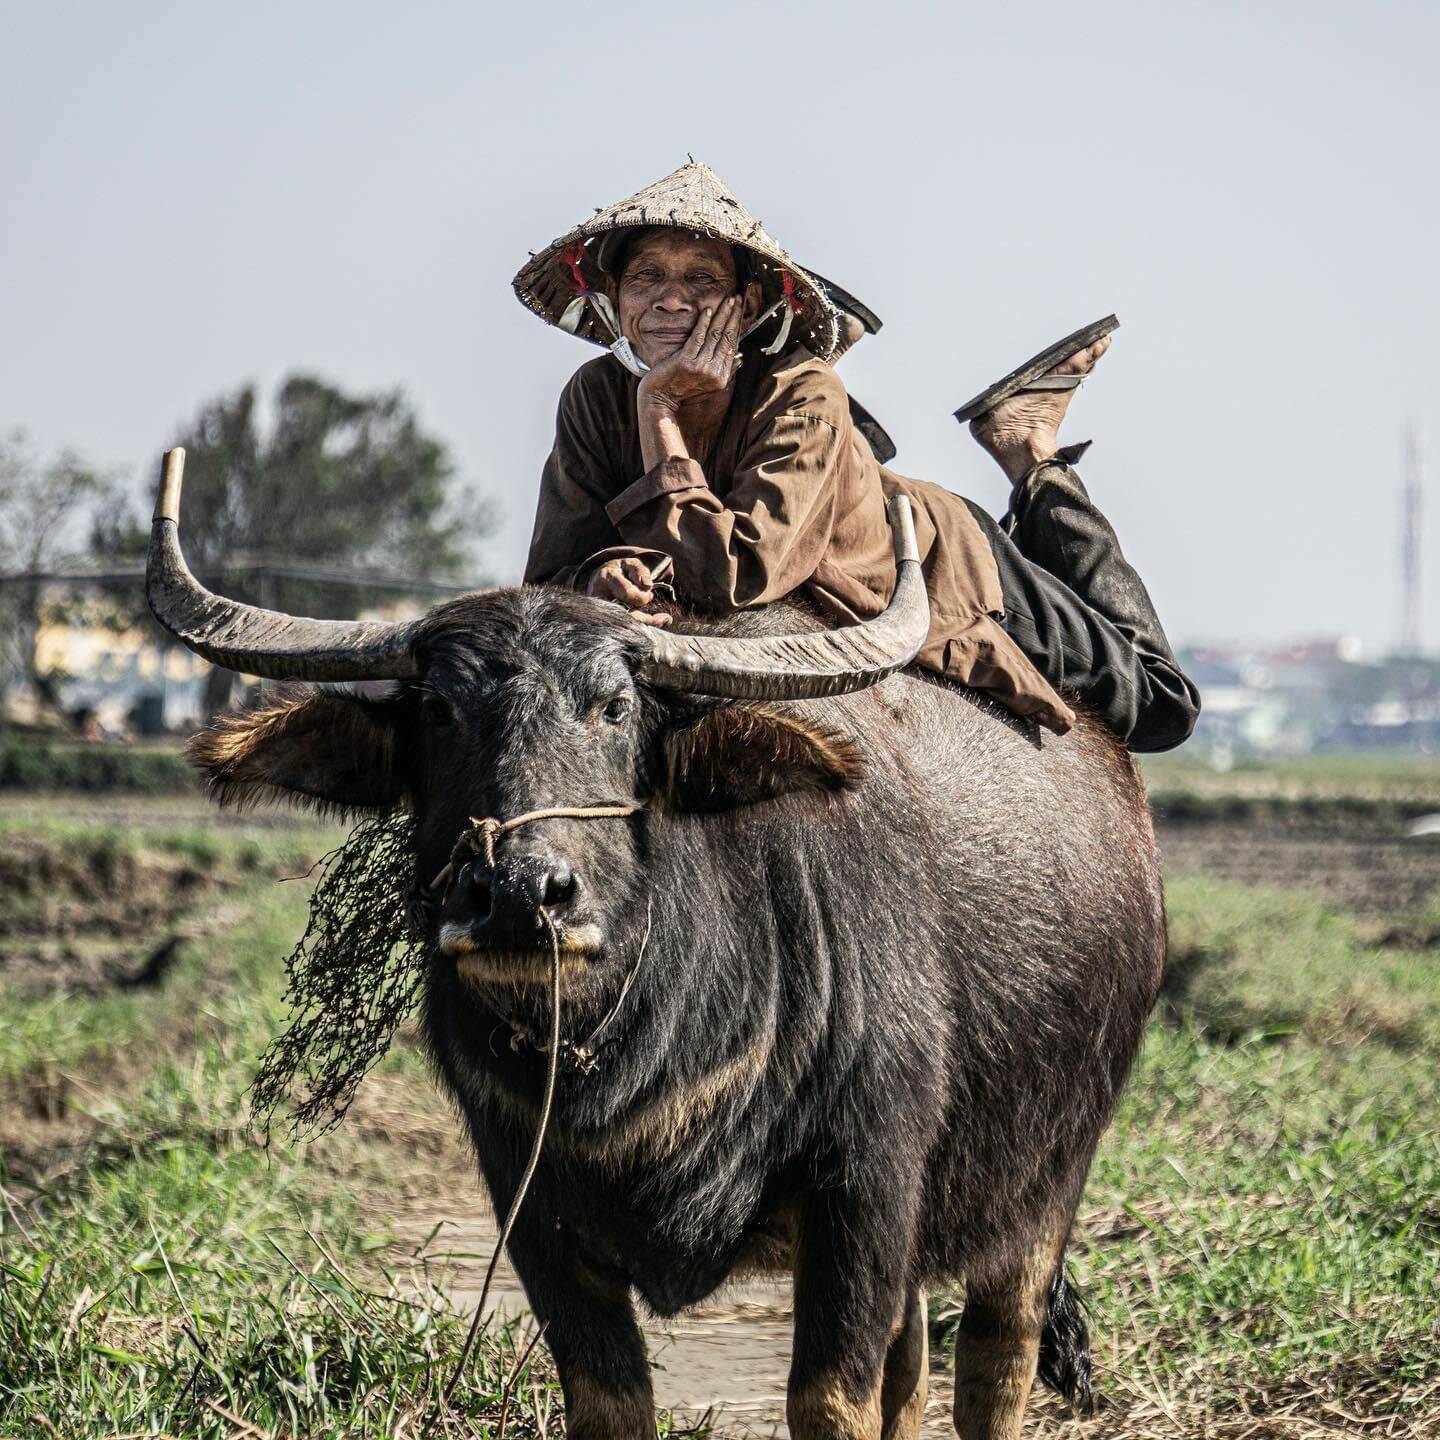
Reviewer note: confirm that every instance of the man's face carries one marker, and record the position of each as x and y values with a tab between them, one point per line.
670	277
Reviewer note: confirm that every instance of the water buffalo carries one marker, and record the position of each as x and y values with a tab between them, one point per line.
899	952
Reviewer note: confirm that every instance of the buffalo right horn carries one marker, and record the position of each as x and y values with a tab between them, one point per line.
267	643
809	665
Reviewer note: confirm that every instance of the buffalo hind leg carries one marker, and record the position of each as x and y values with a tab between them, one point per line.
997	1345
906	1382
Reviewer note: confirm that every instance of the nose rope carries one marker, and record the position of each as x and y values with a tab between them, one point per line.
480	835
585	1054
552	1068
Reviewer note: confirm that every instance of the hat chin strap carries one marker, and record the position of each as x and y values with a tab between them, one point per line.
625	354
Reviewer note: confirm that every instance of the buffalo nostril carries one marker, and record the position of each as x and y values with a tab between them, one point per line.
559	885
480	889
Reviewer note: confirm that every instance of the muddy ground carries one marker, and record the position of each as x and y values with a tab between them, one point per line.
92	917
1369	869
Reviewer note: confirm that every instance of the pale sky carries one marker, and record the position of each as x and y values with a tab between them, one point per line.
195	195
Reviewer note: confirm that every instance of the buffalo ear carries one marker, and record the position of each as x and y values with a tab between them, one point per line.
738	754
330	751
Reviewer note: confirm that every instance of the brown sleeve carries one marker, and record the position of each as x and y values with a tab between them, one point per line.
573	535
765	538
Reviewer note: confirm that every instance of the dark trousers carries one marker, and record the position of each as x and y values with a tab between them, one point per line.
1081	613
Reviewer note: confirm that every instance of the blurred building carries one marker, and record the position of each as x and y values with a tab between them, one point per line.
1312	695
125	679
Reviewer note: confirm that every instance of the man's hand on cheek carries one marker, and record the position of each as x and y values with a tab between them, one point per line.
704	365
628	582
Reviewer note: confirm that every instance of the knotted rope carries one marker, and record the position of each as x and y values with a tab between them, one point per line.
480	835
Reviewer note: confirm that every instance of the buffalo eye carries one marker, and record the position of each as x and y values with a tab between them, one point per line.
617	709
438	712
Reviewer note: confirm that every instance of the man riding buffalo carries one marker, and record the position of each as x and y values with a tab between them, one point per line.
846	971
714	452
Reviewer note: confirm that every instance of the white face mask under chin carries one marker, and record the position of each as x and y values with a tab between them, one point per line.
628	358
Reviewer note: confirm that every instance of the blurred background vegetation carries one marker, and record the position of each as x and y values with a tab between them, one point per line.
319	502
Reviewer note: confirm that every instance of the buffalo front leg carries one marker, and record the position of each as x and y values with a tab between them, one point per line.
997	1345
588	1314
596	1344
850	1301
906	1381
591	1330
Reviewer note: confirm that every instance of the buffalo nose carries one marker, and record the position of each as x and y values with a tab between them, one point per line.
559	884
526	883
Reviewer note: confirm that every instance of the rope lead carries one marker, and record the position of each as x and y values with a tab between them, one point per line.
552	1067
480	835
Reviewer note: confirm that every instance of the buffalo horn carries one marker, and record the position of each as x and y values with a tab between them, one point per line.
260	642
806	666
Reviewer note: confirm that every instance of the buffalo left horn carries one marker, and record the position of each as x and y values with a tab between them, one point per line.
806	666
260	642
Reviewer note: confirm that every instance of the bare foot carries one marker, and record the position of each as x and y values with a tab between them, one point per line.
1025	429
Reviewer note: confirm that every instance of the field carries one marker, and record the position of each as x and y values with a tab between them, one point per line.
1259	1246
163	1272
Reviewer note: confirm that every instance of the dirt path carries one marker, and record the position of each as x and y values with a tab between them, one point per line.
732	1353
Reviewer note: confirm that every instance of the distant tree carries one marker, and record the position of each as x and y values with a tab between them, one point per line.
44	509
342	480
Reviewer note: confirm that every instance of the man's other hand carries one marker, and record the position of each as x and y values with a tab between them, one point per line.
628	582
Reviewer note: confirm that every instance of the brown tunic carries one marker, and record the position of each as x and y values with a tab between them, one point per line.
790	497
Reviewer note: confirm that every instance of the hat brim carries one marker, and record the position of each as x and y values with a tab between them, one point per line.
692	199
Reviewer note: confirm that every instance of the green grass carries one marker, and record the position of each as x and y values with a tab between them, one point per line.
185	1281
1277	962
1259	1243
163	1274
1261	1232
27	763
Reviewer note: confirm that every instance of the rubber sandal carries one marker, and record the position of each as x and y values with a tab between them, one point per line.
1032	376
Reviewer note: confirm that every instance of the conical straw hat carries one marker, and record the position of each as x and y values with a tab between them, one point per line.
693	198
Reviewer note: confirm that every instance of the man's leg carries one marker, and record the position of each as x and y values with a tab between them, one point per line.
1125	673
1055	523
1073	603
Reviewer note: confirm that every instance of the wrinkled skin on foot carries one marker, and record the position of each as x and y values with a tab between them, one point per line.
1025	429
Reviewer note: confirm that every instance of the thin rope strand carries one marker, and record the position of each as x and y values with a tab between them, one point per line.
488	830
586	1046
